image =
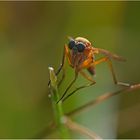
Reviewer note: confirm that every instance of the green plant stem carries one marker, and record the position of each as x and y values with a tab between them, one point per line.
57	107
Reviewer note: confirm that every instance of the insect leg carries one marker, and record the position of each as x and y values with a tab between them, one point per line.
81	87
65	53
84	86
72	82
89	78
61	66
85	64
63	76
106	59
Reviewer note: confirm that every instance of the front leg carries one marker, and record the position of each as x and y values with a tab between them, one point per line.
70	85
65	54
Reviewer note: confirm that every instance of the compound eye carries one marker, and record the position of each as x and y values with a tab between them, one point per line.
71	44
80	47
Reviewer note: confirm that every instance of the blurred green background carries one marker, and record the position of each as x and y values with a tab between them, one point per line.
32	36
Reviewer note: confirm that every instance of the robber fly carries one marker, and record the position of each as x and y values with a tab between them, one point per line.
80	54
